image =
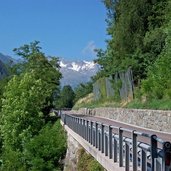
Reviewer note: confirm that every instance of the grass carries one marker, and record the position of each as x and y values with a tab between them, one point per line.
88	102
156	104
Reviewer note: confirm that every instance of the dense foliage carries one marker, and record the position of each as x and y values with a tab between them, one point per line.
45	150
28	98
66	97
82	90
136	28
158	83
140	38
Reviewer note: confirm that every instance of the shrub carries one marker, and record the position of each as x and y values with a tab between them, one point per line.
45	150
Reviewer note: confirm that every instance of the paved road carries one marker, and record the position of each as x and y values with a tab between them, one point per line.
164	136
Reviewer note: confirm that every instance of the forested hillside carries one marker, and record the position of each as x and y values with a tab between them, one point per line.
137	31
140	36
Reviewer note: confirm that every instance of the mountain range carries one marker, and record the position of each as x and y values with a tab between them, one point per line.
4	60
76	72
73	72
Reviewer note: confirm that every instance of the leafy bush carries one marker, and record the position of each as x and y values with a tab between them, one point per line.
158	83
82	90
27	142
66	97
45	150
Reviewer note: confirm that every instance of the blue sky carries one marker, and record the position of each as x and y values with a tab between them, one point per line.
70	29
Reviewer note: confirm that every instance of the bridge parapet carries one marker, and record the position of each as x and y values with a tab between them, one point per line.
132	150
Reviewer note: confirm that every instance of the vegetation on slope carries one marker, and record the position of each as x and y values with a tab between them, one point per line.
136	28
139	38
87	163
28	141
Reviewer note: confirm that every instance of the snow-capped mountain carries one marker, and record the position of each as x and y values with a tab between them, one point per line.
76	72
73	72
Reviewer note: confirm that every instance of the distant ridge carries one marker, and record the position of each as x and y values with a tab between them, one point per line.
3	70
73	72
76	72
6	59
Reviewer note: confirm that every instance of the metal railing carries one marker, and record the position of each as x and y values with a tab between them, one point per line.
131	149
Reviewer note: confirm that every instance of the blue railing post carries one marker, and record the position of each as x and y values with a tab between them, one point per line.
143	160
91	132
120	147
84	136
81	127
102	138
153	151
127	156
87	130
77	125
115	150
134	151
106	144
110	142
99	140
96	135
166	156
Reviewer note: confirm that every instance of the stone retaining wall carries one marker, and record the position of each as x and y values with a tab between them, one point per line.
72	155
153	119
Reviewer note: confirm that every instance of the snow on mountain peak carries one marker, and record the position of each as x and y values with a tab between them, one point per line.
62	65
76	72
88	65
78	66
75	67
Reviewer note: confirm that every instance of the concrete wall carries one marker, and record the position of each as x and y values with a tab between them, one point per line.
153	119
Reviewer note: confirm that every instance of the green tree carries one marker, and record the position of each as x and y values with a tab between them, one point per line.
158	83
137	36
46	149
67	96
45	68
26	99
82	90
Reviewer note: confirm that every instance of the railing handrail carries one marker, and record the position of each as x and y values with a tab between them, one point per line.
159	140
101	136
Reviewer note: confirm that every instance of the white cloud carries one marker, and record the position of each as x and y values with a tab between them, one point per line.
89	49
